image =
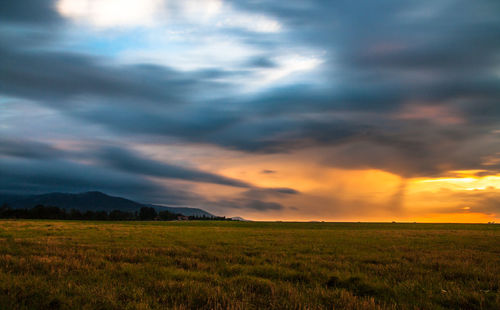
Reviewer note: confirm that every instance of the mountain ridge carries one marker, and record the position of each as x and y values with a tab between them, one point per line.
91	201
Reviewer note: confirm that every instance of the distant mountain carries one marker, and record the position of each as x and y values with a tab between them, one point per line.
184	211
89	201
237	218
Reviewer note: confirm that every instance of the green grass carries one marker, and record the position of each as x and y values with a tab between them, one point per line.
235	265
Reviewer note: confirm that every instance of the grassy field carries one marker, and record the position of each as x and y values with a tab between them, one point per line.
237	265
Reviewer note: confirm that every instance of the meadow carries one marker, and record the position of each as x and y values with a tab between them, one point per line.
47	264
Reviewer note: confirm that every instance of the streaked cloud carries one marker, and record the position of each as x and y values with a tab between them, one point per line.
112	13
104	14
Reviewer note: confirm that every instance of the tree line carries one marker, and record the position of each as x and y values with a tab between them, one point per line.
56	213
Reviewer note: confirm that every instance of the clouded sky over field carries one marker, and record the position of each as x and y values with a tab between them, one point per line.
293	110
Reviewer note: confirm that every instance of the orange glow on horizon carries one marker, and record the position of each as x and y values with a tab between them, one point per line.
457	218
334	194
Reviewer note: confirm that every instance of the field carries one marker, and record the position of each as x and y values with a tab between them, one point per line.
240	265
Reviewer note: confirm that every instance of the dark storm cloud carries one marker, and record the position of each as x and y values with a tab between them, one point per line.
264	193
255	199
27	175
56	78
188	122
380	58
27	149
262	205
247	204
384	56
29	12
130	162
34	167
423	150
117	158
38	176
261	62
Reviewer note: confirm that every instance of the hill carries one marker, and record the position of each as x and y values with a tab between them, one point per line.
90	201
184	211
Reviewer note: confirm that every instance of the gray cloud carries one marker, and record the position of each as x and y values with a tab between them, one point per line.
27	176
476	201
254	199
29	12
27	149
247	204
39	176
117	158
58	77
264	193
126	160
262	62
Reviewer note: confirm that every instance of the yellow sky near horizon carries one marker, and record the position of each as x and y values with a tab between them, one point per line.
335	194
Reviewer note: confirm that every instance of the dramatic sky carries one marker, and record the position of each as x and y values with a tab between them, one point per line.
270	110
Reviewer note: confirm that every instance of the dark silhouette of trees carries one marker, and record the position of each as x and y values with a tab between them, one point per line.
75	214
208	218
56	213
47	212
167	216
118	215
147	214
51	212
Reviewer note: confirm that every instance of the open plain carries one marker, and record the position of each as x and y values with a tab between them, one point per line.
47	264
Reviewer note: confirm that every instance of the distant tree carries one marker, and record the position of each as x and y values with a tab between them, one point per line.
46	212
4	208
208	218
52	212
4	211
167	216
118	215
101	215
75	214
89	215
147	213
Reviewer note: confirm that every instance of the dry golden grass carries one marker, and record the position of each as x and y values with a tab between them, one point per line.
232	265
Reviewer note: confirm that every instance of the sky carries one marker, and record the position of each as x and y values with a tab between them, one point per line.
383	110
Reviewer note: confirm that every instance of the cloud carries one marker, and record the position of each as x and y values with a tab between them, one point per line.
262	205
39	176
128	161
104	14
29	12
246	204
111	13
56	78
486	201
28	175
261	62
410	87
27	149
279	120
254	199
264	193
110	157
